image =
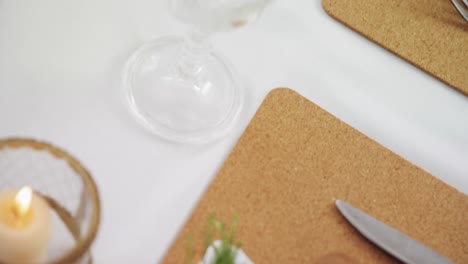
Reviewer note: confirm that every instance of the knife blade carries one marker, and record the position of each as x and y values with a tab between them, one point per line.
389	239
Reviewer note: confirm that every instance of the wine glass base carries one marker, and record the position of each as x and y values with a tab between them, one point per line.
181	95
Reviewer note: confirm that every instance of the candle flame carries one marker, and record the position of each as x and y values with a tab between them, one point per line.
23	200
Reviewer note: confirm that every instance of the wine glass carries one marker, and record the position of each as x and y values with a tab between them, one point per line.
181	88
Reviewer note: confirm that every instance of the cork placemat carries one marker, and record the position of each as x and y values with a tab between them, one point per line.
430	34
283	176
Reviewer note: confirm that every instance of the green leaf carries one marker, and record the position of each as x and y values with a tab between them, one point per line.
226	252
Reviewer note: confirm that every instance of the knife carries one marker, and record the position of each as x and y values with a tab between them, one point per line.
389	239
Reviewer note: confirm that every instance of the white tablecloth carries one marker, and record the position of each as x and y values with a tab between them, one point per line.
60	68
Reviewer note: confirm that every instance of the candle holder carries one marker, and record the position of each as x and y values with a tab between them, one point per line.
65	185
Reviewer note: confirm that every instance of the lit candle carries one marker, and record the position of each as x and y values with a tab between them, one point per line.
25	226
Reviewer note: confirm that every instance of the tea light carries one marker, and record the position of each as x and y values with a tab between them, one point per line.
25	227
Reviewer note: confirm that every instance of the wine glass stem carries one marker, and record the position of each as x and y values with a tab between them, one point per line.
195	45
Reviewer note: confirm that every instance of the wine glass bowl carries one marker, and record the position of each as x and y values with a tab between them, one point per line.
218	15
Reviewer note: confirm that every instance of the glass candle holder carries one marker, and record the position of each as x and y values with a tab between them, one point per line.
67	189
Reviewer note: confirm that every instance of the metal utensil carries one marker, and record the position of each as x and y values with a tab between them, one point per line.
389	239
462	7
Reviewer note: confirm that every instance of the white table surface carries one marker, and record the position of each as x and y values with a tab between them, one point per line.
60	65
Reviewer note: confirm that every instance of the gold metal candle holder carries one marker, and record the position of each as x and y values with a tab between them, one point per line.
64	183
